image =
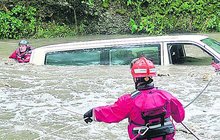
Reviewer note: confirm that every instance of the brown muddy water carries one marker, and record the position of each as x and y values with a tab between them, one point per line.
47	102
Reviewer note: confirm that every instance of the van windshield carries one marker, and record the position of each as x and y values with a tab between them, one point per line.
215	45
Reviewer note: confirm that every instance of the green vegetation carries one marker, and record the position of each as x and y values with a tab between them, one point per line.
163	16
19	22
62	18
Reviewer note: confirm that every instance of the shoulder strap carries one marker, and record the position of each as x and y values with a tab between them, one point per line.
135	94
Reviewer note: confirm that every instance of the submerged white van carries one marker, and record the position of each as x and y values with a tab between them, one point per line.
162	50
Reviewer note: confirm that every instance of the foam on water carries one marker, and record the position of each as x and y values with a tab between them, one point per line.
36	101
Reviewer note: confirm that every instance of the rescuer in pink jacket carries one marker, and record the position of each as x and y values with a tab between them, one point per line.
23	53
149	110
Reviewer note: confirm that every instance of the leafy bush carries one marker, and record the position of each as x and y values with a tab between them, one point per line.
19	22
60	18
167	16
52	29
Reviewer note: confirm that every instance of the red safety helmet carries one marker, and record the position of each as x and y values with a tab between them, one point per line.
142	67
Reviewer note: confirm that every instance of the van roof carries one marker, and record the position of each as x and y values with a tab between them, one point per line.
127	40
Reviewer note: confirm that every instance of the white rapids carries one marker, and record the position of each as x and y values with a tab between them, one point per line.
48	102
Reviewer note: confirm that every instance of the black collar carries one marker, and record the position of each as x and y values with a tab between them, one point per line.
144	86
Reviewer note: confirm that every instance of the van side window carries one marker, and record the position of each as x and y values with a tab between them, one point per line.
74	57
188	54
124	54
110	55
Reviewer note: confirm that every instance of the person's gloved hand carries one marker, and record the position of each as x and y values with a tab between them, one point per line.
87	116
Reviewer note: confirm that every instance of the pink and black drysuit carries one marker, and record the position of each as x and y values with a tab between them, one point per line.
136	105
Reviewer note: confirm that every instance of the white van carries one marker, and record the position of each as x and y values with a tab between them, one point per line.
162	50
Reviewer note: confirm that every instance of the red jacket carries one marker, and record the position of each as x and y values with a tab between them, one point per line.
22	57
130	106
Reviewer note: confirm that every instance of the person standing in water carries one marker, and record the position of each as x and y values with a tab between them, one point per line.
23	53
149	110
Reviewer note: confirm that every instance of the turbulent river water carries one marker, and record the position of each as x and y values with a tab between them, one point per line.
47	102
